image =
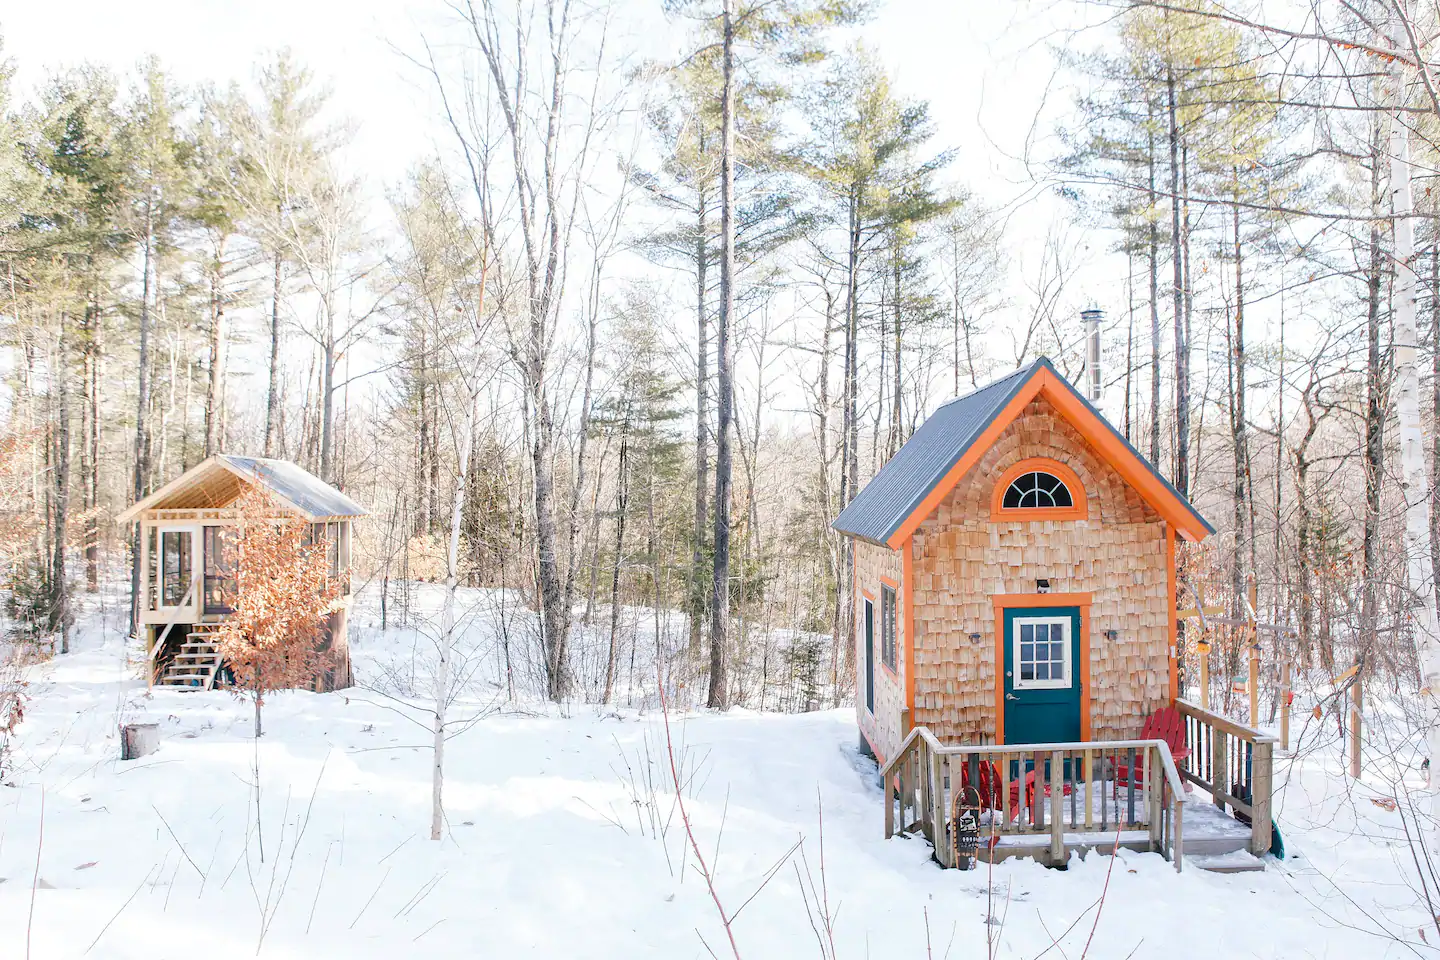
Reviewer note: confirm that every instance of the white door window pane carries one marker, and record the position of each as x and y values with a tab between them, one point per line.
1041	653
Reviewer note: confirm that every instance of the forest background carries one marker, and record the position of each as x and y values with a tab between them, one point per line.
639	302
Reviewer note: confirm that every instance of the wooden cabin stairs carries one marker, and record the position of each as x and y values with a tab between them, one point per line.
196	662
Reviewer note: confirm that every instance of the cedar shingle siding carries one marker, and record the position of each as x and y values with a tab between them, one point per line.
961	559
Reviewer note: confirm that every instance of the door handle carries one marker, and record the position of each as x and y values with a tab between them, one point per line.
1011	696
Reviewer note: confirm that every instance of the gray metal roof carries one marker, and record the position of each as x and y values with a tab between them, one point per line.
903	483
296	485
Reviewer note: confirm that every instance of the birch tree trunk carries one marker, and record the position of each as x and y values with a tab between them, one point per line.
1435	387
473	385
447	618
1414	483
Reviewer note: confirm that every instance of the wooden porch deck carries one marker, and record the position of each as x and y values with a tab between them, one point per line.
1050	800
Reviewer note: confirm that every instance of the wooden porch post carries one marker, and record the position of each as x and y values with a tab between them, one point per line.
1218	770
941	838
1260	786
887	787
1057	806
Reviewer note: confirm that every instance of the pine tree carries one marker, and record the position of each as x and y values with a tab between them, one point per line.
158	156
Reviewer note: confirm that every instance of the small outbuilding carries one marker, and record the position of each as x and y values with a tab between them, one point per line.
186	564
1015	585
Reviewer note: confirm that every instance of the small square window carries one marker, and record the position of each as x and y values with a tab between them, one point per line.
1041	652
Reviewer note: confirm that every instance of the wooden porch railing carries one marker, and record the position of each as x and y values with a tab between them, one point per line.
1061	795
1234	764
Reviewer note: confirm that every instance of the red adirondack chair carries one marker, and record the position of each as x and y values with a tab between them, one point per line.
989	789
989	786
1164	724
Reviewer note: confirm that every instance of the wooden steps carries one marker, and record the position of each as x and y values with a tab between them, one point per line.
196	662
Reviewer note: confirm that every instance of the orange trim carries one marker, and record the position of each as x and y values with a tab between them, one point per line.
1109	446
1169	505
972	456
1170	592
1004	601
1079	510
907	612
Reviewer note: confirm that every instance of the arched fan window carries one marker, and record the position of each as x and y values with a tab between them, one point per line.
1037	490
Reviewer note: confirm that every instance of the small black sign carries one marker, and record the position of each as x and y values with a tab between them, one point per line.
967	828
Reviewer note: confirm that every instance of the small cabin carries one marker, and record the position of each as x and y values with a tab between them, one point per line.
186	564
1014	589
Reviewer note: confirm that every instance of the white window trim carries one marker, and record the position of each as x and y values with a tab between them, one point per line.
1018	684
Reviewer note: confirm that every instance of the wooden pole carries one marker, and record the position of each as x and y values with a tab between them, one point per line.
1254	632
1254	681
1285	705
1202	652
1356	707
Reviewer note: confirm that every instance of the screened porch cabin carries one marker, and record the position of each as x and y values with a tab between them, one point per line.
187	580
1015	588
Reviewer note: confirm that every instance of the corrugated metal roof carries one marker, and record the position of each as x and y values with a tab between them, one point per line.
297	485
902	484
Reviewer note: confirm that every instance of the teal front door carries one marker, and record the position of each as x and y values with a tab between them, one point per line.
1042	680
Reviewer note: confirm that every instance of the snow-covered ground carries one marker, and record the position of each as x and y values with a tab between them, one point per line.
563	841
